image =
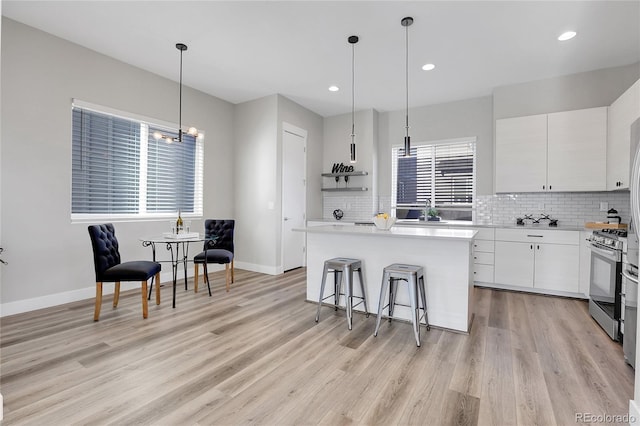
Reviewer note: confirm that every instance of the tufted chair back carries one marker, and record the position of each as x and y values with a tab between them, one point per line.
223	229
105	248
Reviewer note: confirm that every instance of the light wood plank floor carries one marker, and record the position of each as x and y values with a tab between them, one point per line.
256	356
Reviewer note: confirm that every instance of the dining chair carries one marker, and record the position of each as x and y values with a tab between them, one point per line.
110	268
219	251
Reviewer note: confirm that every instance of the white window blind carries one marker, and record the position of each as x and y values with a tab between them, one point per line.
120	170
440	175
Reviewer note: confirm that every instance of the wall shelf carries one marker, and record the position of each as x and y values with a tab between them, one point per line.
361	173
354	188
346	176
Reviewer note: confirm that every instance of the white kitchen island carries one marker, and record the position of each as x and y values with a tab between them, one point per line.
445	254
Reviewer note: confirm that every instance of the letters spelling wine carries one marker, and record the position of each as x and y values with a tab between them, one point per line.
341	168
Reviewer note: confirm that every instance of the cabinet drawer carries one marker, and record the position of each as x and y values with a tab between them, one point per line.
485	234
483	258
483	246
483	273
536	235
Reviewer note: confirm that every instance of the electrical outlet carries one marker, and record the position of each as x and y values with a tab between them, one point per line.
604	206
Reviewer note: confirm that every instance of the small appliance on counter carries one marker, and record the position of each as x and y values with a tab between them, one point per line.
612	216
338	214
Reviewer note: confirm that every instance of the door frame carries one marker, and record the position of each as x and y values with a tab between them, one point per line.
290	128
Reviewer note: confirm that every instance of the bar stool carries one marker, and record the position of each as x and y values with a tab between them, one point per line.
342	269
414	276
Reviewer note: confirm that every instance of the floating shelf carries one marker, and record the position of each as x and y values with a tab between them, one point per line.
345	174
354	188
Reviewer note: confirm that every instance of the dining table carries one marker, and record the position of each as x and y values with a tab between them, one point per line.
178	247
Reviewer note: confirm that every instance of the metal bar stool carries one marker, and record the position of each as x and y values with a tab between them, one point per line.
343	269
414	276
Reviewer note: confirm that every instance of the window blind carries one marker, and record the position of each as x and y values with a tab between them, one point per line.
442	175
105	164
120	169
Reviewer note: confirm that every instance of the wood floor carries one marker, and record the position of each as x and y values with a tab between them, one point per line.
256	356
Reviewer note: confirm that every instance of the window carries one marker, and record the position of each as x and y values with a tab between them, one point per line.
439	175
119	170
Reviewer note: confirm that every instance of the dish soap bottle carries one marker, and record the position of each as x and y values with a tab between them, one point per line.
179	223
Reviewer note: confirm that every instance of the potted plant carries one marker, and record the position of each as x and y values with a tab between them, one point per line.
432	215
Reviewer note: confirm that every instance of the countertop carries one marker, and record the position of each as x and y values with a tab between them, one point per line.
435	233
454	224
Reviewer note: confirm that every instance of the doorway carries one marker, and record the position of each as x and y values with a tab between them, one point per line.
294	159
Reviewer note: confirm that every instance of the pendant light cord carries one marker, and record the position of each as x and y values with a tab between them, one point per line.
407	76
180	103
353	90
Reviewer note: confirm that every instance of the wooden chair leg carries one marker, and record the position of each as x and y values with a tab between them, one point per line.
96	312
145	306
233	268
157	288
226	274
196	270
116	294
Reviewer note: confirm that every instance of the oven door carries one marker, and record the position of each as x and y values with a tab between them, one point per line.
605	272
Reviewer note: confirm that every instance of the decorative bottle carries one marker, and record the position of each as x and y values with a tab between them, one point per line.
179	223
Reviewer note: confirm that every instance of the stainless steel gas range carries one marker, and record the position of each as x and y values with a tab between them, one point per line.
605	286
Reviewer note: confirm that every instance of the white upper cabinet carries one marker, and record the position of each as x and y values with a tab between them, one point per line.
563	151
577	150
521	154
622	113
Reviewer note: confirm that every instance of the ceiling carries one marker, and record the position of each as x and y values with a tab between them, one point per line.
243	50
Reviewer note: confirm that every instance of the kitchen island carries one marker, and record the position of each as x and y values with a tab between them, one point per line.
445	255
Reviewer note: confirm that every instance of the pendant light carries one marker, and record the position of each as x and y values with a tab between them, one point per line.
353	40
192	131
406	23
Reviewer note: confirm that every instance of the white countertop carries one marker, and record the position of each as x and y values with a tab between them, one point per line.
396	231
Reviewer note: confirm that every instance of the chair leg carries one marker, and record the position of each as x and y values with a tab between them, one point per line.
96	312
157	288
383	292
116	294
233	268
145	305
226	274
196	270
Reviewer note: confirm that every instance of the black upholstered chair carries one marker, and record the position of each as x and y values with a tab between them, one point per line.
109	268
219	251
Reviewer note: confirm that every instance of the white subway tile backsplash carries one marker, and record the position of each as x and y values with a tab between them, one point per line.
570	208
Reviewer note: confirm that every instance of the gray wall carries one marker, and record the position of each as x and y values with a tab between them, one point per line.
255	176
41	74
471	117
258	176
576	91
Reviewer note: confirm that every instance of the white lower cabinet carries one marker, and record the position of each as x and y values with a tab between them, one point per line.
544	260
483	255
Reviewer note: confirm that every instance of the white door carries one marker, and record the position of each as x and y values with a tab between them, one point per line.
293	197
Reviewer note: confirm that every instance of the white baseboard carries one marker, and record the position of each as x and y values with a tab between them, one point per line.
263	269
634	413
50	300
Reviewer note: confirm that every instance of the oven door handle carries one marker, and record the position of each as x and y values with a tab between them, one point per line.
604	253
630	277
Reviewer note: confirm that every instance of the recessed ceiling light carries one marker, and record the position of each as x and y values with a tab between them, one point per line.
428	67
567	35
333	88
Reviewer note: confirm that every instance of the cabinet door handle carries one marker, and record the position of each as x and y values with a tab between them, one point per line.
538	246
549	187
531	247
537	236
543	186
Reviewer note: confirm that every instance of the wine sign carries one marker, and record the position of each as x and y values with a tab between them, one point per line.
341	168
